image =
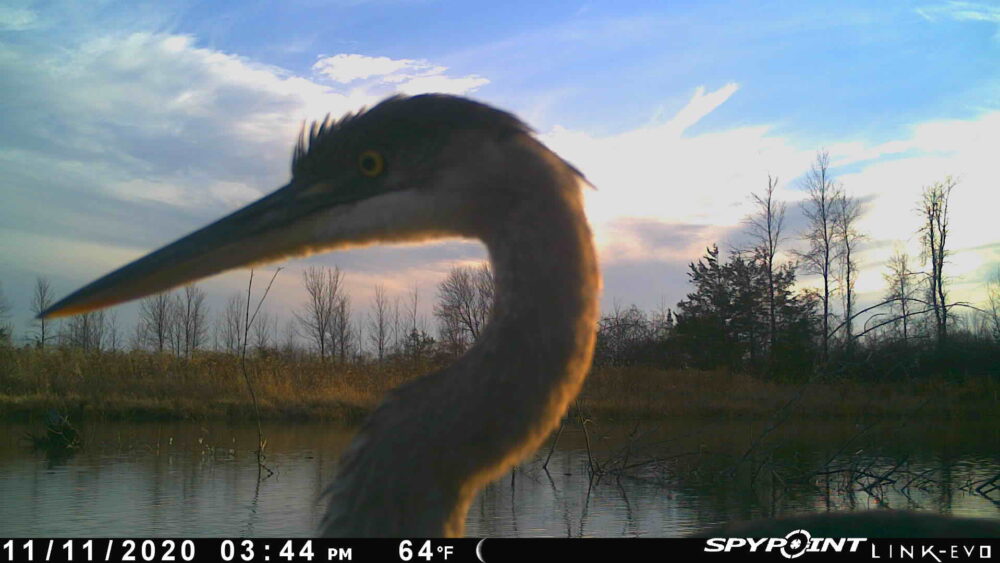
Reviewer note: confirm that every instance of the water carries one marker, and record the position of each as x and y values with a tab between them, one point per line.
190	479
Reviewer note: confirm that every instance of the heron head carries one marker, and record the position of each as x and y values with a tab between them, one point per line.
409	168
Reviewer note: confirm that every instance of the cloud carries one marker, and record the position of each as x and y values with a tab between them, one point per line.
964	12
407	76
17	18
658	173
155	107
155	118
119	144
936	149
700	105
350	67
443	84
631	239
663	196
130	140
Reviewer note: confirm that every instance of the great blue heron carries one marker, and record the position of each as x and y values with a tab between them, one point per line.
410	169
417	168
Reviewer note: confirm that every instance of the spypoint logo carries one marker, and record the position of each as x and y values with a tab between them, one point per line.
792	546
797	542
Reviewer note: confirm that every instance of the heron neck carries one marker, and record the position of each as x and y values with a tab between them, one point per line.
415	467
545	306
531	360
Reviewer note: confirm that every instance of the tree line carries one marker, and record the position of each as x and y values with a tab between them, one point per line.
325	326
745	312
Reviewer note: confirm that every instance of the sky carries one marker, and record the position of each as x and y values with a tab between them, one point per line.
125	125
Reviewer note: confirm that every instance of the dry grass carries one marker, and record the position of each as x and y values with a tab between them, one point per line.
145	385
653	393
139	385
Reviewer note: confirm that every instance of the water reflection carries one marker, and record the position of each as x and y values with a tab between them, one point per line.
201	479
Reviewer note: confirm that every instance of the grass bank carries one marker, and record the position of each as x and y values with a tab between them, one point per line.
144	386
652	393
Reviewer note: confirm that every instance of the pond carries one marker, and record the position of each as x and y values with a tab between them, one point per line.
657	479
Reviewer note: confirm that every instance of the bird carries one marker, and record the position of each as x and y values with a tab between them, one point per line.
412	169
432	166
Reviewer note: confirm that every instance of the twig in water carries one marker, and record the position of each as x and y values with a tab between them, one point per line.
248	320
594	468
555	441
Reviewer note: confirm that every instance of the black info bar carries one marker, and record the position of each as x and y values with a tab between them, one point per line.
797	545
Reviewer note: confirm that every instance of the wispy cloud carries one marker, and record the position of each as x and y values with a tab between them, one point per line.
131	140
350	67
17	18
154	117
964	11
663	196
700	105
657	171
407	76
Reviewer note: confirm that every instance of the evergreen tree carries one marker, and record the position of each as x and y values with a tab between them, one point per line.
725	321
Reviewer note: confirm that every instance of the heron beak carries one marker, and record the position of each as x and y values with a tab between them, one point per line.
266	230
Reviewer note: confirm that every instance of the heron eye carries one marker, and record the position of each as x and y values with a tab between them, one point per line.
371	163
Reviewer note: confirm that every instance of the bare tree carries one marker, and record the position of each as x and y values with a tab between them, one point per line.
993	304
316	321
396	327
193	324
379	326
416	323
357	351
465	300
846	216
453	339
820	210
934	238
765	231
175	330
342	338
486	289
264	332
231	325
86	331
290	344
41	299
137	341
415	344
901	291
414	307
621	332
156	320
6	330
113	338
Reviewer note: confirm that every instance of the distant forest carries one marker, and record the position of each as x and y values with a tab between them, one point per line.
744	313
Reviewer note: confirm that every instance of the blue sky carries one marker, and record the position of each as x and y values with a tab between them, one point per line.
124	125
873	67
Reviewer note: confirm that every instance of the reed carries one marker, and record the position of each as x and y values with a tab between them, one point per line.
654	393
143	385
